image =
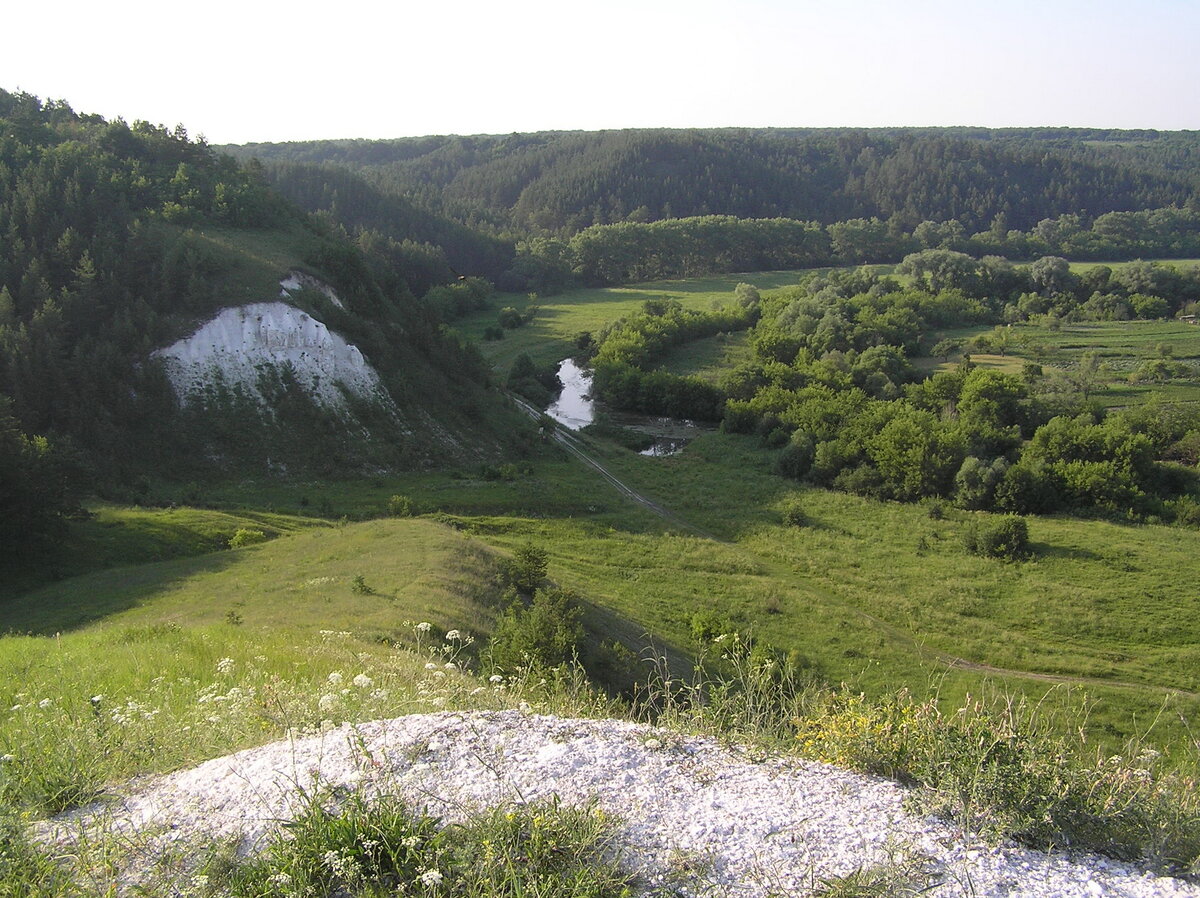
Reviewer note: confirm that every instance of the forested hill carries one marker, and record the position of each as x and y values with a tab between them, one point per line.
563	182
117	240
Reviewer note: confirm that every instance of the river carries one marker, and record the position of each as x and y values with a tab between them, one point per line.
575	409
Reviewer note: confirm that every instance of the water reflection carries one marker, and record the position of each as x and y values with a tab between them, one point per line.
574	409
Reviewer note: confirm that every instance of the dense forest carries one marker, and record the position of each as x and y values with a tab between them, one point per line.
620	206
555	184
117	240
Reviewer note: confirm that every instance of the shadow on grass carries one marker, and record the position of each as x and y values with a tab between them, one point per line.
79	601
1048	550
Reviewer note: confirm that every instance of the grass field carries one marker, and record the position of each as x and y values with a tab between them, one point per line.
880	595
1120	347
551	335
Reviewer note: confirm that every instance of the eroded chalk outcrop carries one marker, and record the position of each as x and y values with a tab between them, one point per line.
242	346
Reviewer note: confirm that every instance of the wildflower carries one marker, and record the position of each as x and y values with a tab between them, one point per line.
409	841
96	699
453	636
653	744
225	665
439	673
327	702
45	703
430	878
362	681
495	678
335	677
280	879
423	627
429	665
524	708
450	665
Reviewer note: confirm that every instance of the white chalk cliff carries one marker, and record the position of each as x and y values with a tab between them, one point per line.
239	344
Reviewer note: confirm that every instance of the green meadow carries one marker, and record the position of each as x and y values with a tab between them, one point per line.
551	334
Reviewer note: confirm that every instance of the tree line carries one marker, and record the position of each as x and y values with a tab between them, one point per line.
715	244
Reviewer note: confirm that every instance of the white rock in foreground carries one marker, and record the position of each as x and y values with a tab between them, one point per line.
777	826
236	345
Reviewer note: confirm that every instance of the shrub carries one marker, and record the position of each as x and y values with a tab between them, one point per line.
526	570
246	537
796	459
545	634
400	506
793	514
1004	537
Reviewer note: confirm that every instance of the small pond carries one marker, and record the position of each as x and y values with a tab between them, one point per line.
575	409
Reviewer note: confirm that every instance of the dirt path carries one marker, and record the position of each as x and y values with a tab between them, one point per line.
578	449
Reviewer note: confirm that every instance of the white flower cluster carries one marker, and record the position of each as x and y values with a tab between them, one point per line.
132	712
430	878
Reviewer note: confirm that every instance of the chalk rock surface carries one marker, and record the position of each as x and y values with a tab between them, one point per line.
750	826
241	343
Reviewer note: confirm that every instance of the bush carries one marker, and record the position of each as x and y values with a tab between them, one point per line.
246	537
400	506
545	634
796	460
1005	537
526	570
793	514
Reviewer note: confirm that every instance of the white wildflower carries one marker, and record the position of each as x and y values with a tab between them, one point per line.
45	703
327	702
524	708
429	665
423	627
450	665
453	636
410	841
430	878
653	744
439	674
225	665
96	699
362	681
335	677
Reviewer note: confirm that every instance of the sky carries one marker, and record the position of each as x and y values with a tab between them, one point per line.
239	72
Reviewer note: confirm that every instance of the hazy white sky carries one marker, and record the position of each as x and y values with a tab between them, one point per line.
264	71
